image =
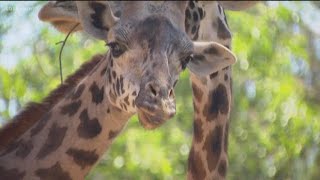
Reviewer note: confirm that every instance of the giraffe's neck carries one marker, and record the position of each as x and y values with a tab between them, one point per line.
70	138
208	157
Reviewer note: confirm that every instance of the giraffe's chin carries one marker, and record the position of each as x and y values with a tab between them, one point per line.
149	121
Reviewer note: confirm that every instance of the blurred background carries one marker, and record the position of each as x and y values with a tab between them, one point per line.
275	123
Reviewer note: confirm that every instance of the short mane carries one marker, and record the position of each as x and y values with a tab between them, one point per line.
34	111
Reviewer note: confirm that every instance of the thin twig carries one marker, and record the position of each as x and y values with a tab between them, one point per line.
60	54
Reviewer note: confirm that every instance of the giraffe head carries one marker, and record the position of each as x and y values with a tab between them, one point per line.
148	48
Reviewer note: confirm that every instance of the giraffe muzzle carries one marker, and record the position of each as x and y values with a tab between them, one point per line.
155	105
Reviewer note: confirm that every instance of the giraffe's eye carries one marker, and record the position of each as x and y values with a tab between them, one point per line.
185	61
116	49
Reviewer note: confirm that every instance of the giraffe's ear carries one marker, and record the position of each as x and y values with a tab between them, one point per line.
210	57
237	5
96	17
63	15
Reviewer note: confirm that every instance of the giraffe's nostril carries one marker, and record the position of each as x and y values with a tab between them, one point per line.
152	90
171	94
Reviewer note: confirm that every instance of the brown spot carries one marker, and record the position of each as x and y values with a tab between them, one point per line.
213	145
218	103
53	141
24	149
41	124
125	107
197	92
96	93
78	92
195	108
213	75
53	173
197	130
195	165
118	86
88	128
188	14
201	13
134	93
113	97
121	84
194	29
111	62
223	31
133	103
222	168
34	112
113	134
114	74
195	16
11	147
83	158
126	100
103	72
71	108
226	77
11	174
109	76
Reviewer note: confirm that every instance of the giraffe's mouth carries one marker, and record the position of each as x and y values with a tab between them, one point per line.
150	121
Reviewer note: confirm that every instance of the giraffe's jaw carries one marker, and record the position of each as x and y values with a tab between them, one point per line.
151	121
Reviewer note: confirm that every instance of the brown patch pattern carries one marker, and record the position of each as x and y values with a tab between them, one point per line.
24	149
113	134
11	174
88	128
53	173
226	77
71	108
11	147
197	130
78	92
35	111
83	158
96	93
213	145
41	124
53	141
223	31
197	92
222	169
195	165
218	103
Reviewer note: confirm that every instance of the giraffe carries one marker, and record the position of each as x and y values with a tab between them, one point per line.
64	136
212	95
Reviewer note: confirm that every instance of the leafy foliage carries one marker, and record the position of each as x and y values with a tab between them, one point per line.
275	127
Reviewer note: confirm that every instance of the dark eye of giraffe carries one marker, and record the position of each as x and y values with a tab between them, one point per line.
185	61
116	49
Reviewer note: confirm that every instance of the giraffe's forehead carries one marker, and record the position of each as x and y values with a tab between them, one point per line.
155	33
